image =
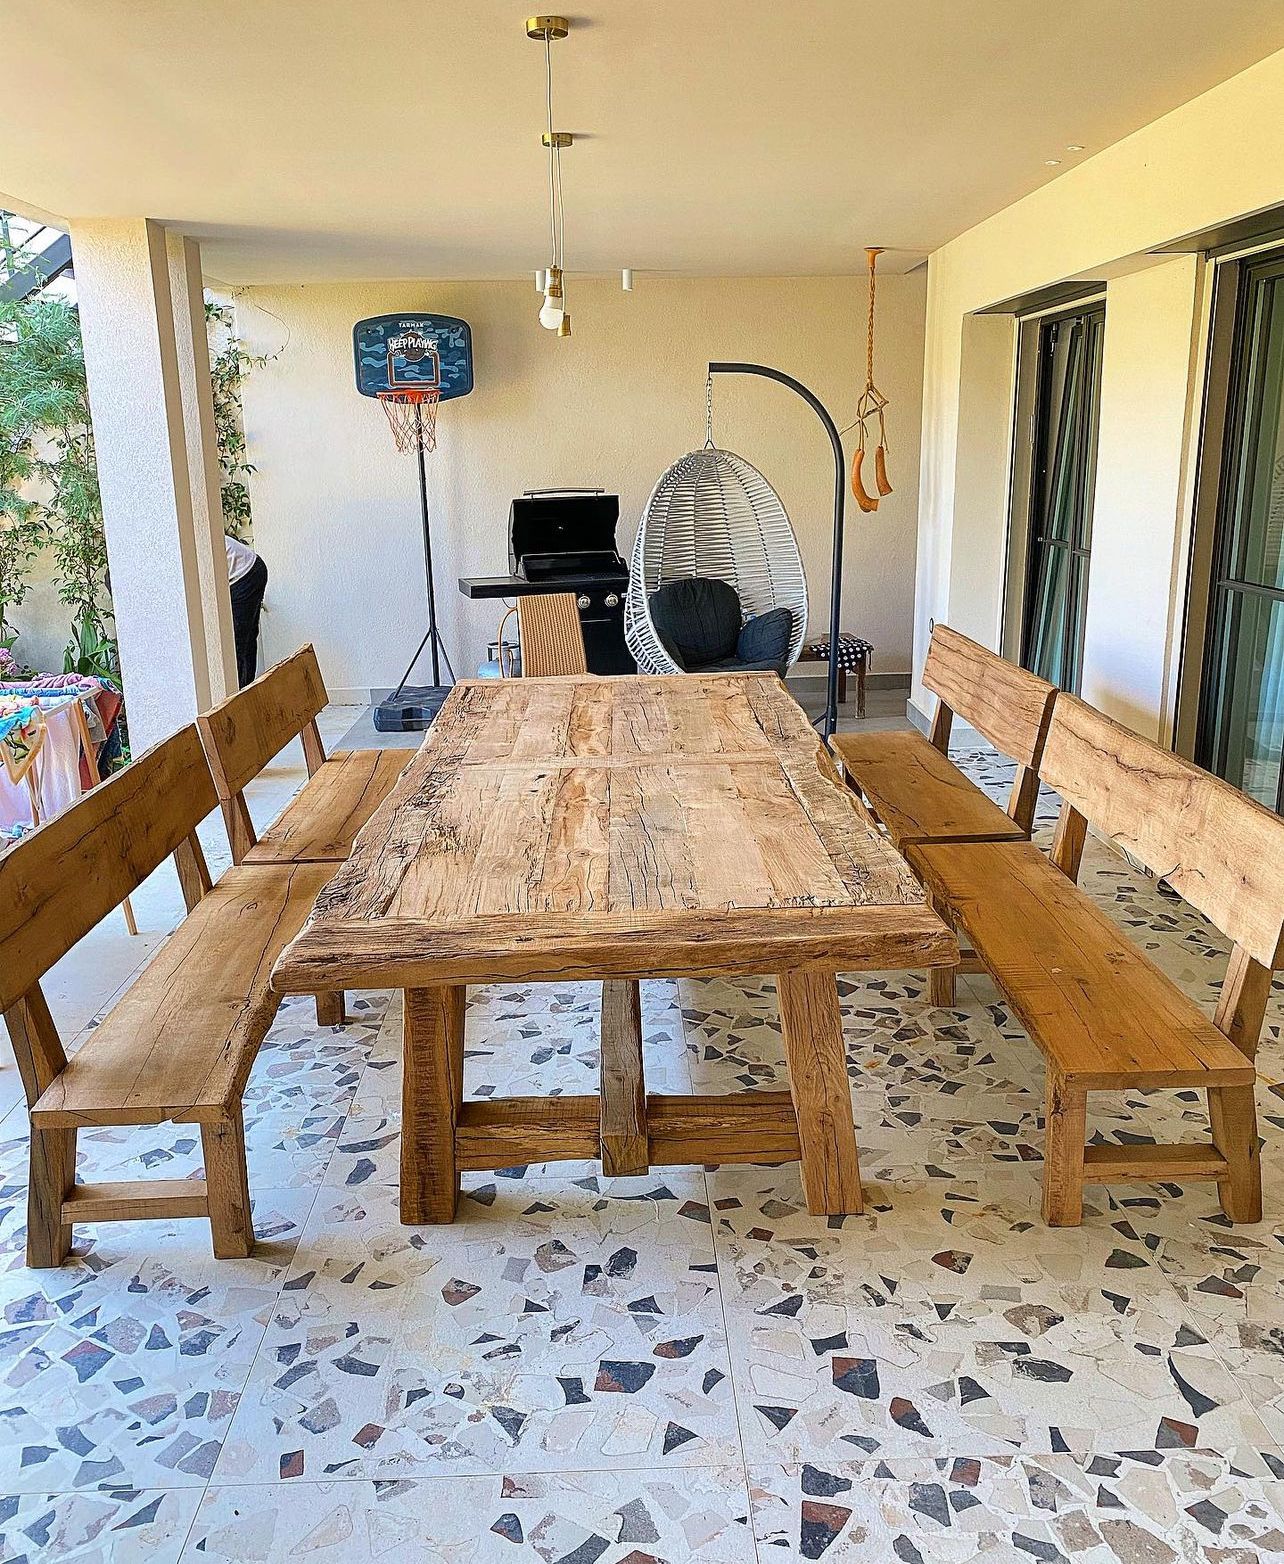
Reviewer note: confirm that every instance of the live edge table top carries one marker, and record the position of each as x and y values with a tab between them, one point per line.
551	829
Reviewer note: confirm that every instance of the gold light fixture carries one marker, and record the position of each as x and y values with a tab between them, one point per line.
553	315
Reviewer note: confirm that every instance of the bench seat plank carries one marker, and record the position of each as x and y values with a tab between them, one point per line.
1102	1013
320	823
918	794
180	1042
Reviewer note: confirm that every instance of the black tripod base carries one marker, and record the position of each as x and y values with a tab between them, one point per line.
410	710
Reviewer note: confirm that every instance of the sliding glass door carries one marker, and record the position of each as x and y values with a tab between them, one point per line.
1062	480
1241	728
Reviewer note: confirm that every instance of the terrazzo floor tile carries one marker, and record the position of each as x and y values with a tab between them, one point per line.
949	1321
549	1328
642	1517
110	1526
1149	1508
124	1366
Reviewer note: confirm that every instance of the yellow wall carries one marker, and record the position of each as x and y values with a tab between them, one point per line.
336	510
1214	159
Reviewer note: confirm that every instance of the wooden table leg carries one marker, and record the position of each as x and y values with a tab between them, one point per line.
621	1084
813	1029
432	1091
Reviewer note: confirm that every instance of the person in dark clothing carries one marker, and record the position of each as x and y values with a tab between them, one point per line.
247	577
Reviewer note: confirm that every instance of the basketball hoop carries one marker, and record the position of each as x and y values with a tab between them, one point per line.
412	416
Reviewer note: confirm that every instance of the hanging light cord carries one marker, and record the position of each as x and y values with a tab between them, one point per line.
552	152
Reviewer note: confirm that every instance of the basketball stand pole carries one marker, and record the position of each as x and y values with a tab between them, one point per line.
433	697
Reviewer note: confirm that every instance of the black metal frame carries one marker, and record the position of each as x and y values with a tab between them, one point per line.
1039	545
830	717
1243	417
432	636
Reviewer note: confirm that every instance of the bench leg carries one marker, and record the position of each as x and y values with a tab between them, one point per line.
432	1093
1063	1144
624	1145
813	1028
1232	1112
330	1011
52	1174
227	1187
942	982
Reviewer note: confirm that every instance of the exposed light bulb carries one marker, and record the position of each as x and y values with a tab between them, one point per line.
550	315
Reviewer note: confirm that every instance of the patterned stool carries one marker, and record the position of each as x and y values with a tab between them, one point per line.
855	655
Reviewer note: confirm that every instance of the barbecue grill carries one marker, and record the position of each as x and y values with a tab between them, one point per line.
563	540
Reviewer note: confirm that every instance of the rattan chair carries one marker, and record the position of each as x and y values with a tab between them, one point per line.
713	515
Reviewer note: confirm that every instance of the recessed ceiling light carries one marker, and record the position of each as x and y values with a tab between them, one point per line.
1052	162
1074	146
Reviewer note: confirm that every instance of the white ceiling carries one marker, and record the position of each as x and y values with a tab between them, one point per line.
390	138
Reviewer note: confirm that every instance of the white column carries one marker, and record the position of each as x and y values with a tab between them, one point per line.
187	288
127	322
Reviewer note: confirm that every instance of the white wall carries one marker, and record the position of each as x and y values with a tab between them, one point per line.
1134	579
336	509
1216	158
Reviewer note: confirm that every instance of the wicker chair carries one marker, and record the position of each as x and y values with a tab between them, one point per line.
712	515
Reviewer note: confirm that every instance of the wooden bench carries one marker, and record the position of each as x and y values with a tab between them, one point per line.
180	1042
1103	1015
919	795
244	733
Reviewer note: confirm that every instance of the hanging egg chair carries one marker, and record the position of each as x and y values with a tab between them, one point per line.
713	532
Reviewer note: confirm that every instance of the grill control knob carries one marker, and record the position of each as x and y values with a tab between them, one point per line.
583	602
612	599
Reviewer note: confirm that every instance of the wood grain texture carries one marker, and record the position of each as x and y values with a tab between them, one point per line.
622	1087
64	878
320	824
244	732
1102	1013
919	794
1007	705
1218	849
614	827
552	636
711	1130
136	1200
813	1033
432	1092
1065	1124
180	1042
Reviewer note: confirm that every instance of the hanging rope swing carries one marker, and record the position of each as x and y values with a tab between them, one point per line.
871	406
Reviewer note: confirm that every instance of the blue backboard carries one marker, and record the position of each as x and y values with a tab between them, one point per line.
408	350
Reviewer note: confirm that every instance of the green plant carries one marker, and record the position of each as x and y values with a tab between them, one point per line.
229	364
47	450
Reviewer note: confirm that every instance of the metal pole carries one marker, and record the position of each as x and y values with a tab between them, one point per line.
423	511
840	500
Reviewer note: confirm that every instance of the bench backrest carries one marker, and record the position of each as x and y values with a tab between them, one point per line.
1218	849
64	878
1007	705
552	636
244	732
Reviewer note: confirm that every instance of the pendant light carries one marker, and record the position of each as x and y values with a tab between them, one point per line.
553	315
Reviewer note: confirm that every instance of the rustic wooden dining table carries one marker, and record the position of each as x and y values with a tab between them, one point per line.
615	829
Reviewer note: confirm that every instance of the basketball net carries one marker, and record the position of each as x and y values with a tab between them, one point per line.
412	416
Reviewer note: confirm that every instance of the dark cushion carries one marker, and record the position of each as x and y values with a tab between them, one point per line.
698	619
764	640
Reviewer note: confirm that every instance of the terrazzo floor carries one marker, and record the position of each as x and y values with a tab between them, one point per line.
685	1366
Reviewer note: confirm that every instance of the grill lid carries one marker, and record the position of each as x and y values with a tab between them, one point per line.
563	521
